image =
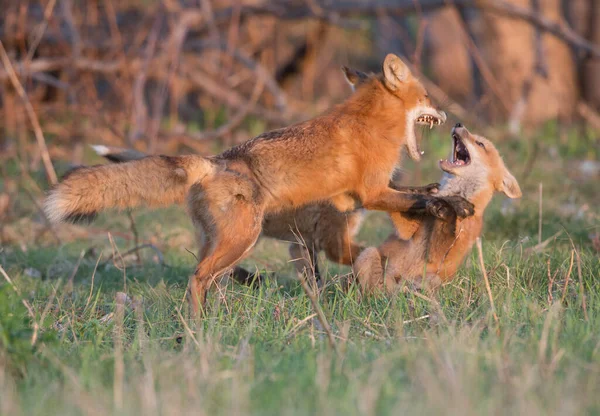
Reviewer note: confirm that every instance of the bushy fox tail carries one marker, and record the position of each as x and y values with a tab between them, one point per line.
117	154
153	181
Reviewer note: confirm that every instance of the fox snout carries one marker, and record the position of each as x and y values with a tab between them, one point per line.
460	130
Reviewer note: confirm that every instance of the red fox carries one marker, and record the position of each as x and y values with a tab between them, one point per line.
345	156
426	252
319	226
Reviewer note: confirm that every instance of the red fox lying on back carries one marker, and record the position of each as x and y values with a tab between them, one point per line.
345	156
426	252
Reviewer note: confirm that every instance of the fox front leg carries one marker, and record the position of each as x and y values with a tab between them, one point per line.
390	200
431	189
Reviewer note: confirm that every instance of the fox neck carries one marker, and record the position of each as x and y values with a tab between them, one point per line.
475	189
383	114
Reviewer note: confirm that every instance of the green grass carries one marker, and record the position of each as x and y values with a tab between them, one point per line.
251	355
258	351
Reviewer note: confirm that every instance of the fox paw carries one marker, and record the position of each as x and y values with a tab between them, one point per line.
461	206
441	209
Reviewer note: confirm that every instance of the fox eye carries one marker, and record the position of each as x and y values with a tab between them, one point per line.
480	145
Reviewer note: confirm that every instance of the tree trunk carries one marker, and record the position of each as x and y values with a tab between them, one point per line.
591	66
448	54
509	48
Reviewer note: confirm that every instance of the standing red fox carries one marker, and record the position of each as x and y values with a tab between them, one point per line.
319	226
426	251
345	156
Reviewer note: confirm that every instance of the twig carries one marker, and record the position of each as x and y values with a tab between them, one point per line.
49	225
542	246
25	303
207	11
87	302
256	67
420	318
119	368
50	173
116	250
319	311
564	292
485	278
447	251
581	291
540	215
441	97
175	44
74	272
140	112
113	25
299	325
187	327
136	238
550	282
228	96
49	9
237	118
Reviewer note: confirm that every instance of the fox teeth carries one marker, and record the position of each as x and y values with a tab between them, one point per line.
422	152
430	124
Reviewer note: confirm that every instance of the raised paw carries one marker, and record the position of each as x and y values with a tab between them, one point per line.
461	206
441	209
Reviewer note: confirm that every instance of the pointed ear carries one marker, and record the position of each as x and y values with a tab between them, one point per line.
510	186
354	77
395	71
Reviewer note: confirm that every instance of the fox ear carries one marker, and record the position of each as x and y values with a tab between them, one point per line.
510	186
354	77
395	71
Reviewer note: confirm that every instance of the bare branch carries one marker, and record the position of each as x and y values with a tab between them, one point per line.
332	11
50	173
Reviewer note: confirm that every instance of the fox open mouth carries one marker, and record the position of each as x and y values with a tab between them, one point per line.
428	120
460	155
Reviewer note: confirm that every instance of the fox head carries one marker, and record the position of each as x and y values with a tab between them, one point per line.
407	94
475	161
400	82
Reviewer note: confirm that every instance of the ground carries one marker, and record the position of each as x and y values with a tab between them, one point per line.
114	340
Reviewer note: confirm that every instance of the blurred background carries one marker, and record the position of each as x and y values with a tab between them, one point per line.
177	76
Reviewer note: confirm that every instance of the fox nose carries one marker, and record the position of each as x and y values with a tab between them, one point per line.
458	125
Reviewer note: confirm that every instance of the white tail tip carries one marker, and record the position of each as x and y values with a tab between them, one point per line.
100	149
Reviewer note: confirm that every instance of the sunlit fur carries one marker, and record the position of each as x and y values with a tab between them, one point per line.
426	251
345	156
311	228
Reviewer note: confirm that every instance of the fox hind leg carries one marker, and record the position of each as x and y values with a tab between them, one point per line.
228	215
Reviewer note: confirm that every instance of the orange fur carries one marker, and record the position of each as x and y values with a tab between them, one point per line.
345	155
